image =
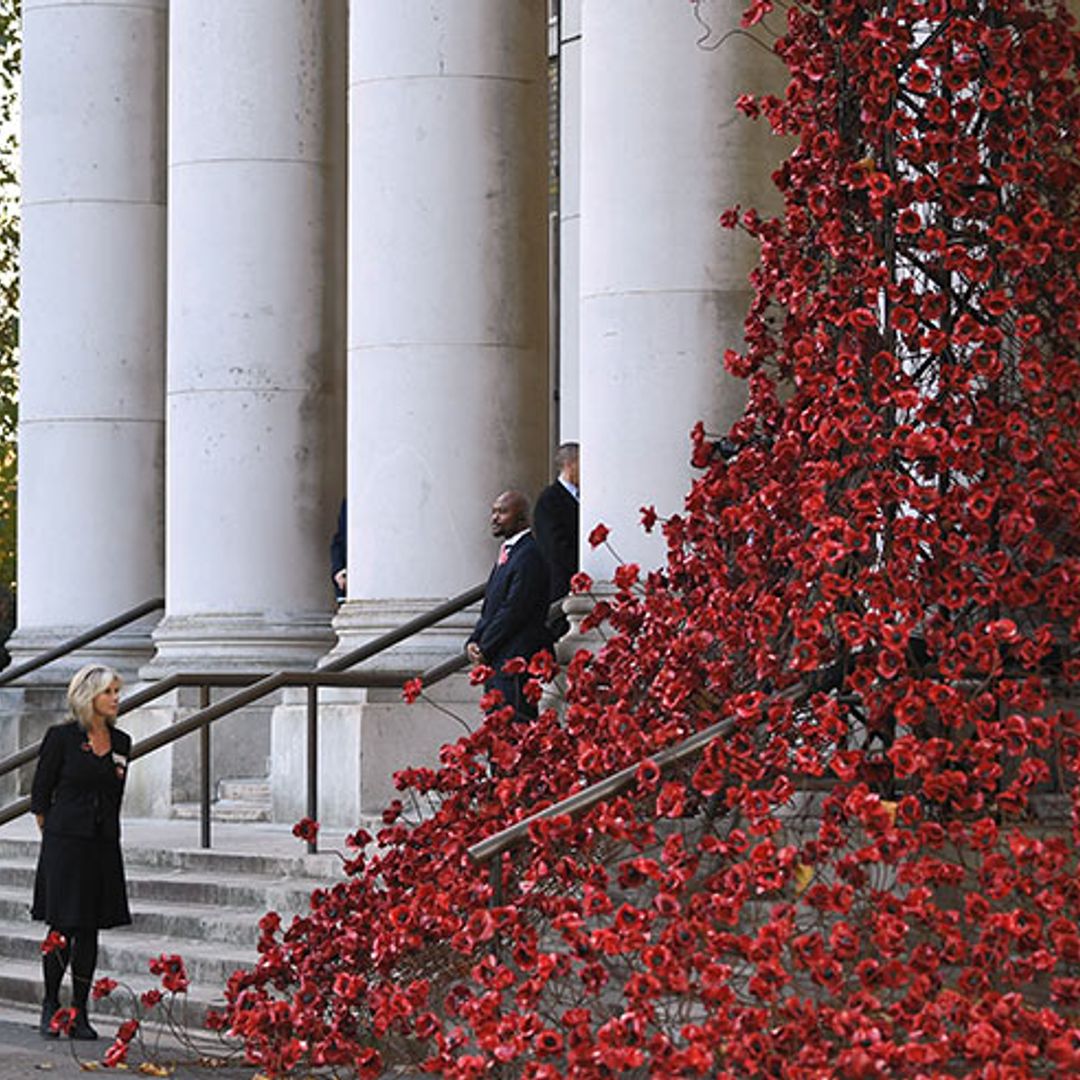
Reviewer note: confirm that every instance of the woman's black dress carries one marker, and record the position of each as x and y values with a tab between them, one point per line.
80	873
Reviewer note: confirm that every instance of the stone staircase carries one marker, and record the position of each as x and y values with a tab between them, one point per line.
203	905
237	800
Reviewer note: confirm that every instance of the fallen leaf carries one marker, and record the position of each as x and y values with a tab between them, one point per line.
803	876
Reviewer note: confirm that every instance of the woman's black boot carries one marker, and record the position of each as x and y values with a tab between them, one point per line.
48	1011
81	1028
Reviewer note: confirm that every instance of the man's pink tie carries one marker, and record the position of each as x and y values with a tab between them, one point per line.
504	554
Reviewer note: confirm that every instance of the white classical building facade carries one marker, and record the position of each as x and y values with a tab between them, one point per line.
281	251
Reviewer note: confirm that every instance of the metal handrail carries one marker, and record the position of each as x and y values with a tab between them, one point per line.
258	686
180	679
579	802
142	697
85	638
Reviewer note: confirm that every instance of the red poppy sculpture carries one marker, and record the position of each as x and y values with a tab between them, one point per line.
875	583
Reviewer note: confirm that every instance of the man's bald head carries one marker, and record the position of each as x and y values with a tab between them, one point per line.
509	514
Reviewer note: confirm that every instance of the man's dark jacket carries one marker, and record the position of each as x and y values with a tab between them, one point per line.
339	548
514	613
555	523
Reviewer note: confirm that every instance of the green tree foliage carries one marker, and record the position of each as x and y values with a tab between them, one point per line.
10	65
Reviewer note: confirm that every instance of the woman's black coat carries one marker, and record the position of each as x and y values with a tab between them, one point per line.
76	796
80	880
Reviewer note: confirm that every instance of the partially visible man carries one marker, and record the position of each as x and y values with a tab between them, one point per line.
514	612
339	549
556	523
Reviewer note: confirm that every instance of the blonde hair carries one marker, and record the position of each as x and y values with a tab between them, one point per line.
85	685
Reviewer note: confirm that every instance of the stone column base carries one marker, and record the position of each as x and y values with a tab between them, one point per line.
39	699
238	643
125	650
361	621
364	737
25	715
239	749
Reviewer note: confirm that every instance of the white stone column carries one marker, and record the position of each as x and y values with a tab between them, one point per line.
569	270
448	401
255	329
92	322
447	356
663	288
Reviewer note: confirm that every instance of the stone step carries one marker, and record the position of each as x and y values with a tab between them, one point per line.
238	799
249	892
20	988
240	789
320	867
162	918
232	810
203	905
124	952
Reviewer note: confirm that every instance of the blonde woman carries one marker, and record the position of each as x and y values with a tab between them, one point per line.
76	793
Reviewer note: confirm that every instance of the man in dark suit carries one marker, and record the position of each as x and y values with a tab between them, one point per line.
555	524
514	612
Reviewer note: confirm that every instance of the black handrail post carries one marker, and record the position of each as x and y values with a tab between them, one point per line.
313	761
204	771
